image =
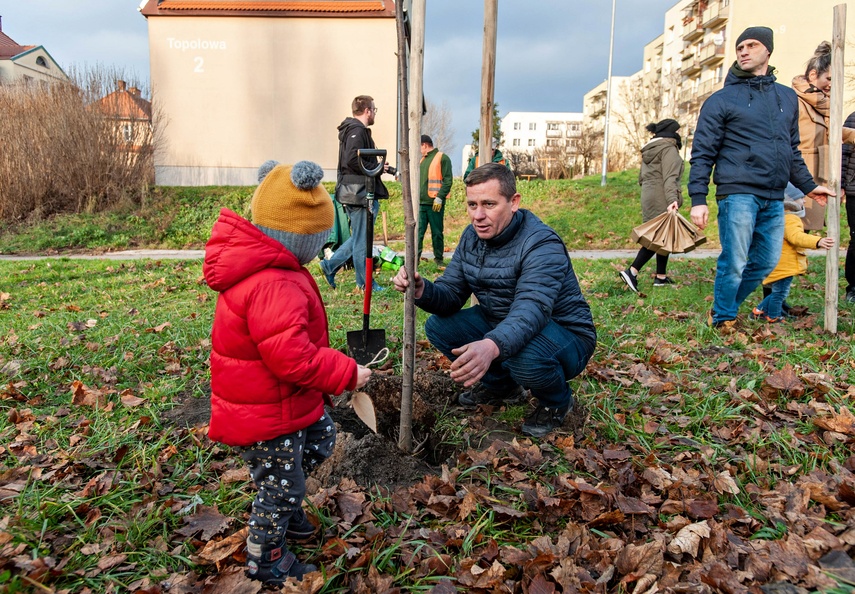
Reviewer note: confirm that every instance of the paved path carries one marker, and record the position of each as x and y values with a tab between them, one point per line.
199	254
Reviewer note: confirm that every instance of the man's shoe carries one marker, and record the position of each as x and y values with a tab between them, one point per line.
480	394
663	282
630	279
330	278
850	296
300	528
724	326
543	420
276	566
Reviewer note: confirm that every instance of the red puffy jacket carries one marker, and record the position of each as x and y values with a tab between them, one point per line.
271	365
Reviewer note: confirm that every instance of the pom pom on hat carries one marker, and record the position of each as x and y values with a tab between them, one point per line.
291	206
266	168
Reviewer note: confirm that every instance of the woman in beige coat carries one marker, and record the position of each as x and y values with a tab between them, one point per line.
659	176
813	90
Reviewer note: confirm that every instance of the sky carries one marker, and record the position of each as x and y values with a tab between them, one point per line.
548	53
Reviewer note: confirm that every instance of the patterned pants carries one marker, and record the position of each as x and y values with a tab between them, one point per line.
279	468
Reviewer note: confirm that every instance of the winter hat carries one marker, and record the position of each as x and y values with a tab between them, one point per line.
292	207
795	206
761	34
667	125
427	139
266	168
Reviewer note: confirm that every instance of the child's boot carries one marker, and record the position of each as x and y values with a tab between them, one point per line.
274	566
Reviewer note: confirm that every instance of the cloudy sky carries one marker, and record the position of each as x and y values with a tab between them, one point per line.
549	53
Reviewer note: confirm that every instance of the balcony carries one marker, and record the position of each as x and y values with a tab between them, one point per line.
692	29
715	14
691	65
710	54
706	88
553	133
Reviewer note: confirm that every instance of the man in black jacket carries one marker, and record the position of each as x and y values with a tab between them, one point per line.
532	328
848	184
748	131
353	134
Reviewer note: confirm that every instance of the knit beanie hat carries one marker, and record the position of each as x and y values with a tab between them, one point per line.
292	207
761	34
667	126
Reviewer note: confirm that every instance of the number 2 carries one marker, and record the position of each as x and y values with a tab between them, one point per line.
199	63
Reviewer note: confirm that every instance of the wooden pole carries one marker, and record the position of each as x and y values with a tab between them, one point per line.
835	148
416	94
405	437
488	80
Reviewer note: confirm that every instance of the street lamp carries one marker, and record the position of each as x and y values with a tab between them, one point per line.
608	99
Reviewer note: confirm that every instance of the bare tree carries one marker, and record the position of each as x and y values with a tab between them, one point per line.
639	109
555	162
589	147
522	162
436	123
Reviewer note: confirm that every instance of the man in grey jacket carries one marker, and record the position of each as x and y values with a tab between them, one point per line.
532	328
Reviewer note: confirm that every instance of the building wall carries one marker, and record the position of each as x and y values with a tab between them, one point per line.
233	92
27	67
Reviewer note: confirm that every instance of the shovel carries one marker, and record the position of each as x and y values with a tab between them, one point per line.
363	345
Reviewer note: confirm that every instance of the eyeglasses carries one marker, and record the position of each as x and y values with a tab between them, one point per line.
374	109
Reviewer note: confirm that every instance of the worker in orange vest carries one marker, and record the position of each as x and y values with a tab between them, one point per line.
435	178
475	161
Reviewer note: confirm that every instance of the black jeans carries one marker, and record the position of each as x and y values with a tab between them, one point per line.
849	267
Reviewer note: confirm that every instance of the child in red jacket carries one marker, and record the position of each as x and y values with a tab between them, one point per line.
271	364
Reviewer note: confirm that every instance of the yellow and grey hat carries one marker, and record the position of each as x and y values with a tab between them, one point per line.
291	206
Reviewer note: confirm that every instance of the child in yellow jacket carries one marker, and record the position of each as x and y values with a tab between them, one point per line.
793	260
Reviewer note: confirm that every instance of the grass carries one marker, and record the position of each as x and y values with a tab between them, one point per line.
81	483
587	215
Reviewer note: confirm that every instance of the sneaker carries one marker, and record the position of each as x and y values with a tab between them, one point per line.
663	282
275	566
756	314
300	528
480	394
375	287
630	279
543	420
850	296
330	278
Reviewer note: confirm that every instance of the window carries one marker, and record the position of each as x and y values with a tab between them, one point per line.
531	140
647	66
572	145
516	142
552	126
517	125
666	69
551	142
127	132
40	61
532	126
573	128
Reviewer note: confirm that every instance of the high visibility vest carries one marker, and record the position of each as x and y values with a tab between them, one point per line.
435	175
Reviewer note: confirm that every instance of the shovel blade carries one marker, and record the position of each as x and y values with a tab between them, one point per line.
364	346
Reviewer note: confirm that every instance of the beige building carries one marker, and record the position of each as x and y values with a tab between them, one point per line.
237	83
130	114
708	32
26	63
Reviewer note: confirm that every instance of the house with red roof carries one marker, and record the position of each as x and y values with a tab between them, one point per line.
235	83
131	114
26	63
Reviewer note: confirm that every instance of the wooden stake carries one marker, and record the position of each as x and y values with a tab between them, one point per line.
488	80
835	148
385	230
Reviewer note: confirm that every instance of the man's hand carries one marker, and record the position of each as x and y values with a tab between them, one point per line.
473	360
401	282
673	206
362	375
826	243
700	215
821	194
437	204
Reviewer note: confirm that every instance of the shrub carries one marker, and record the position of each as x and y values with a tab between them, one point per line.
61	154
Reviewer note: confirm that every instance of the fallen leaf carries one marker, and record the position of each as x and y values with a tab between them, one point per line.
688	539
364	409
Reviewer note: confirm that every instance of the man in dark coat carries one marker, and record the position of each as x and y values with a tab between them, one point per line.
532	328
748	131
848	184
353	134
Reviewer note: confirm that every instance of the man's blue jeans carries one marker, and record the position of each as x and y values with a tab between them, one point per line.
353	247
773	303
751	231
543	366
